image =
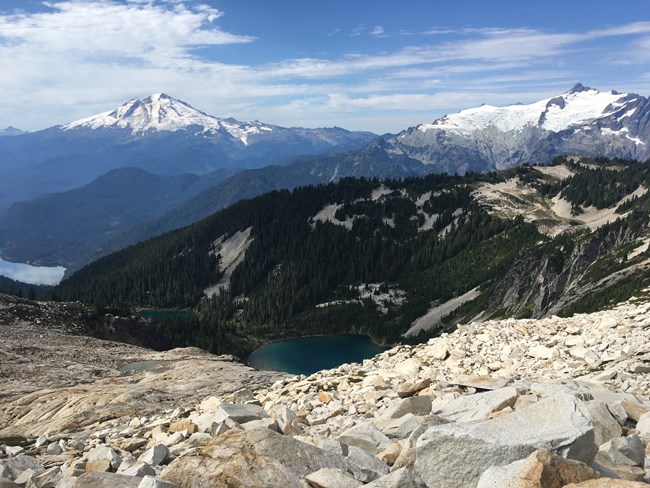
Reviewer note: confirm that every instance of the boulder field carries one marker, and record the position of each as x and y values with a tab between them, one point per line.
552	402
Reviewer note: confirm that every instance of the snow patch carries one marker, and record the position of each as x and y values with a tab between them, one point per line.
435	315
379	192
373	291
328	214
636	140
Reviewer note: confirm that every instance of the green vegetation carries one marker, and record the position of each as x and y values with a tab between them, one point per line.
301	276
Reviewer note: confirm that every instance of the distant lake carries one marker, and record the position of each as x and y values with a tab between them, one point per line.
34	275
310	354
163	314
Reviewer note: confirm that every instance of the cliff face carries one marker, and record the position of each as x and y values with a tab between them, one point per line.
566	397
553	284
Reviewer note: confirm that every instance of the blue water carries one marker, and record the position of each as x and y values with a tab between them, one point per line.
311	354
35	275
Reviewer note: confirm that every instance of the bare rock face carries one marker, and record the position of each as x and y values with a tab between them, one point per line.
409	417
539	470
259	458
458	454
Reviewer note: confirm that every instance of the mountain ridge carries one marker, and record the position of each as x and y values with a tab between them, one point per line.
161	135
580	122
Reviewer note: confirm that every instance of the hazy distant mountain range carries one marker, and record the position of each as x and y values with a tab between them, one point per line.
165	136
159	134
11	131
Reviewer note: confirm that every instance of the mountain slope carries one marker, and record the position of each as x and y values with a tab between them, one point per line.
581	122
60	228
76	227
362	255
159	134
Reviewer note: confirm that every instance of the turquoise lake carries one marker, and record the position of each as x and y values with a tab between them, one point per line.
310	354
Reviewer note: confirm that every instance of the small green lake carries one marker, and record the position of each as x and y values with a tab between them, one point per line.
310	354
163	314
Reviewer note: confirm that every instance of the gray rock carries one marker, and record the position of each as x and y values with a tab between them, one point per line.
627	450
48	479
400	478
239	412
15	466
331	478
261	423
333	446
370	466
24	477
54	448
139	470
153	482
606	427
418	405
14	450
402	427
76	445
198	439
105	480
155	456
457	455
618	412
7	483
366	437
479	406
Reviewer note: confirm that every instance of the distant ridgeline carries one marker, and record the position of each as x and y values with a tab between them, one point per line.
390	258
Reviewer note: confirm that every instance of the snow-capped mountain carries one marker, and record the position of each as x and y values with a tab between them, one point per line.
162	113
160	134
582	121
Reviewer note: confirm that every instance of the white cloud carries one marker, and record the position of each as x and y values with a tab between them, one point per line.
81	57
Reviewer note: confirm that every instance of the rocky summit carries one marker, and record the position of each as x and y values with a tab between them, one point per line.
552	402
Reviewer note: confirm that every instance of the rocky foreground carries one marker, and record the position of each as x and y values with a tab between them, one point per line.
514	403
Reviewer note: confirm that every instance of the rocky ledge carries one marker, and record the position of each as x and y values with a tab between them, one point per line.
514	403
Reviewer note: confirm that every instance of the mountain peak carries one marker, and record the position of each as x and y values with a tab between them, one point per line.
11	131
579	88
158	112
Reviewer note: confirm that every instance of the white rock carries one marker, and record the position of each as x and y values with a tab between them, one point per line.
543	352
155	456
153	482
478	406
331	478
366	437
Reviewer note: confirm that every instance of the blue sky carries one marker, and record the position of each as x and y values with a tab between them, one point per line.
364	65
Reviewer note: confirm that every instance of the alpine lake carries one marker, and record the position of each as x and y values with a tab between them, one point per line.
310	354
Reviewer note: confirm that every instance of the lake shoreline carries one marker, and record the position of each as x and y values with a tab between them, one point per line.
30	274
293	355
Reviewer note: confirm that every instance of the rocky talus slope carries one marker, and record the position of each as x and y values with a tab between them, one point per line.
514	403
